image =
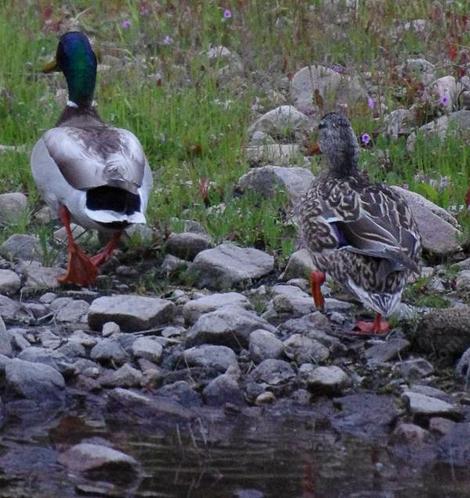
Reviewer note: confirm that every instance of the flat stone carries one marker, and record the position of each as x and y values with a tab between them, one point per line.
73	312
130	312
330	85
109	351
187	245
13	207
300	265
386	350
9	282
228	265
420	404
281	122
228	326
415	368
329	380
437	227
273	372
40	277
148	348
264	345
86	457
34	381
23	247
304	349
210	356
268	180
192	310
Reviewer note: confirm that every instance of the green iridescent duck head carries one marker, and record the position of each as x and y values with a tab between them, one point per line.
76	59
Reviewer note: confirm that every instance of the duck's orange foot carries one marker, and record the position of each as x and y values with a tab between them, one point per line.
377	327
317	278
80	269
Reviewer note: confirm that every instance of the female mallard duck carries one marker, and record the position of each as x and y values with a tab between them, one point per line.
363	234
87	171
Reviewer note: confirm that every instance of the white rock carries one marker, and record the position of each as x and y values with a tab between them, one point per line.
264	345
421	404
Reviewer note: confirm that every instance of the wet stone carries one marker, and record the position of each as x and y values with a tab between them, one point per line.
209	356
264	344
130	312
273	372
228	265
192	310
34	381
86	457
147	348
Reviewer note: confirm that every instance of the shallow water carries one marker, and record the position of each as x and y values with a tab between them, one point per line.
277	456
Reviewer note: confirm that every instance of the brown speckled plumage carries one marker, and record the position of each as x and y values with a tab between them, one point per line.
362	234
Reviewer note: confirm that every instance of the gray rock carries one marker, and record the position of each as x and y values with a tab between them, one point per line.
264	345
171	264
418	69
75	311
409	434
40	277
51	358
267	180
209	356
420	404
228	265
437	227
13	207
273	372
292	301
454	448
109	351
300	265
9	309
282	122
181	392
440	425
20	246
126	376
386	350
331	86
187	245
248	493
34	381
303	349
415	369
274	154
329	380
462	281
110	328
227	62
445	86
130	312
458	122
148	348
463	366
60	235
261	138
87	457
6	348
9	282
399	122
223	389
229	326
443	333
192	310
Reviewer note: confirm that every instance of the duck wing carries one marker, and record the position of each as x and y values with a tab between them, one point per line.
97	156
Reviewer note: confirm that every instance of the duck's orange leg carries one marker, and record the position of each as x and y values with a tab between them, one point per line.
80	269
107	251
317	278
377	327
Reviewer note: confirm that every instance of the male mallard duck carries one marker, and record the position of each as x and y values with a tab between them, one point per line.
87	171
362	233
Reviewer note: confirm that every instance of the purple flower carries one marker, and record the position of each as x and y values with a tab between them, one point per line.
126	24
168	40
444	100
365	138
227	14
370	102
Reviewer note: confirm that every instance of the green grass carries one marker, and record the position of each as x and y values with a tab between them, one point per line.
193	124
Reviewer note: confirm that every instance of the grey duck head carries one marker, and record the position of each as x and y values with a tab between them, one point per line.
339	144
